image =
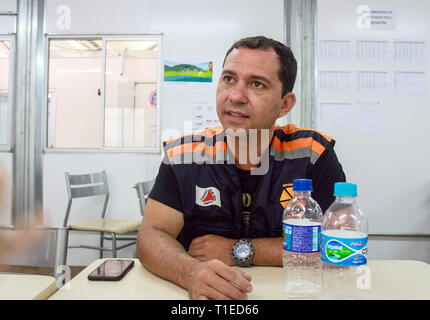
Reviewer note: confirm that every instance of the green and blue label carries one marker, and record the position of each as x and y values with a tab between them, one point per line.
344	251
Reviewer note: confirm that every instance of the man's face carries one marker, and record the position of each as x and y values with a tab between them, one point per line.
249	93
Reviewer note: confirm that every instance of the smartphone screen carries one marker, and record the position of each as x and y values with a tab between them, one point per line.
111	270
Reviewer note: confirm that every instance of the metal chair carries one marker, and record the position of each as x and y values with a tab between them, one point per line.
143	189
95	184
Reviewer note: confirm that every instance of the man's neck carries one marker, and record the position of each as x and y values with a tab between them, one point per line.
247	149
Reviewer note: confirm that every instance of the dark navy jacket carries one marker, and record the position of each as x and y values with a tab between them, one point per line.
209	188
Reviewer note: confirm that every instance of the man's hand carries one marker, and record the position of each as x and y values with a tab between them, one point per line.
210	247
214	280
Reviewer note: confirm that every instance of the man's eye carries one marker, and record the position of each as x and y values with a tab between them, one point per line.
228	79
258	84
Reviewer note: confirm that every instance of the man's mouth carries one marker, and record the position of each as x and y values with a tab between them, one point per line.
236	114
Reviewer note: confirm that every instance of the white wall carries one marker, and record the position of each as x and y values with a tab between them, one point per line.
8	5
200	29
7	23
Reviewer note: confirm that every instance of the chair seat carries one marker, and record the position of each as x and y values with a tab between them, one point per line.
108	225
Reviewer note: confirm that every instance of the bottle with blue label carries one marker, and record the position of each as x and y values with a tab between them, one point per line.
344	245
301	243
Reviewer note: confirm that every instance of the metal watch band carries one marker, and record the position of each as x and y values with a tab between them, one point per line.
246	261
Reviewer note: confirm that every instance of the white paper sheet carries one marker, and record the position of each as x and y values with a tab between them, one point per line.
198	117
382	18
375	18
368	117
335	114
212	116
410	82
335	50
372	50
203	115
373	81
189	87
335	81
409	51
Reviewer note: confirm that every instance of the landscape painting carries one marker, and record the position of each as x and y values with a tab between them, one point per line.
187	72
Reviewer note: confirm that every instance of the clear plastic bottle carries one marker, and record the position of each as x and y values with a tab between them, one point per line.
344	246
301	246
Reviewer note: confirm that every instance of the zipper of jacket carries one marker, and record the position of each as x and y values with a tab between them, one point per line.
240	204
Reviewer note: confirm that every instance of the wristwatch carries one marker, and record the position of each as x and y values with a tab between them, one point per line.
243	252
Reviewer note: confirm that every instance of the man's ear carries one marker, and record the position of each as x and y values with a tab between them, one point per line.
288	102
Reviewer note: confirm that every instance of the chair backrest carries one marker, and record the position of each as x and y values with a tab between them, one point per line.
143	189
86	185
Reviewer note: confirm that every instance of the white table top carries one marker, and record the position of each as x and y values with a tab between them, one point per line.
390	279
26	286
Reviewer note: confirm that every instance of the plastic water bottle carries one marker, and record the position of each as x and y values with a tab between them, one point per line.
301	246
344	246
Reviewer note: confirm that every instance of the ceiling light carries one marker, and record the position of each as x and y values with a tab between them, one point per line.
77	45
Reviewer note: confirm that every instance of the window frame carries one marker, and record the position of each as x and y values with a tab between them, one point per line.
102	148
11	93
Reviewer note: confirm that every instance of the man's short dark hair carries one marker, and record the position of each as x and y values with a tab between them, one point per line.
288	64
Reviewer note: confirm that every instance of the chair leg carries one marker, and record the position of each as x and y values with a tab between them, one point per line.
101	244
113	245
61	251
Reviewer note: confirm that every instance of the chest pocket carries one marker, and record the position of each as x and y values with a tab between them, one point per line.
213	212
211	207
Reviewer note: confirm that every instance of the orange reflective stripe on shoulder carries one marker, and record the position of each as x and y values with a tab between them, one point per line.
298	144
291	128
197	147
207	133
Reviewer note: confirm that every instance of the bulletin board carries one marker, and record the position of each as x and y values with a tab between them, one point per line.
373	99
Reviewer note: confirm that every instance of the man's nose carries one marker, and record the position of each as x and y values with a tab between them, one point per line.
238	94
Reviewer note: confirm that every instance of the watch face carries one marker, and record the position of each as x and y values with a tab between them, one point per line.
242	250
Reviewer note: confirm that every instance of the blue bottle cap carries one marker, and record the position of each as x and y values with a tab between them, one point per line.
302	185
345	189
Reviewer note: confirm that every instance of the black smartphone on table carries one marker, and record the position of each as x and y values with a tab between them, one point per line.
111	270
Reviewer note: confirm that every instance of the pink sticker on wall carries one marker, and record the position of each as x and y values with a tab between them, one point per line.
153	99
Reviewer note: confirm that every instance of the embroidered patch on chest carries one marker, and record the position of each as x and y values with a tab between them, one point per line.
208	196
287	194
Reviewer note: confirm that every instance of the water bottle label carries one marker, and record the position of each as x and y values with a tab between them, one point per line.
302	238
346	252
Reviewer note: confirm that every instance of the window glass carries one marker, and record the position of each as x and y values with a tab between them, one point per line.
130	93
4	90
74	100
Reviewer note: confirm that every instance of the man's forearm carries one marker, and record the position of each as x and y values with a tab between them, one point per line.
268	252
164	256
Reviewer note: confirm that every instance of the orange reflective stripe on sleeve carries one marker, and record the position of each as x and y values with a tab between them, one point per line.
297	144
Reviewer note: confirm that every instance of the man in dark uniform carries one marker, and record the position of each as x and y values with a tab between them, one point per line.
219	195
